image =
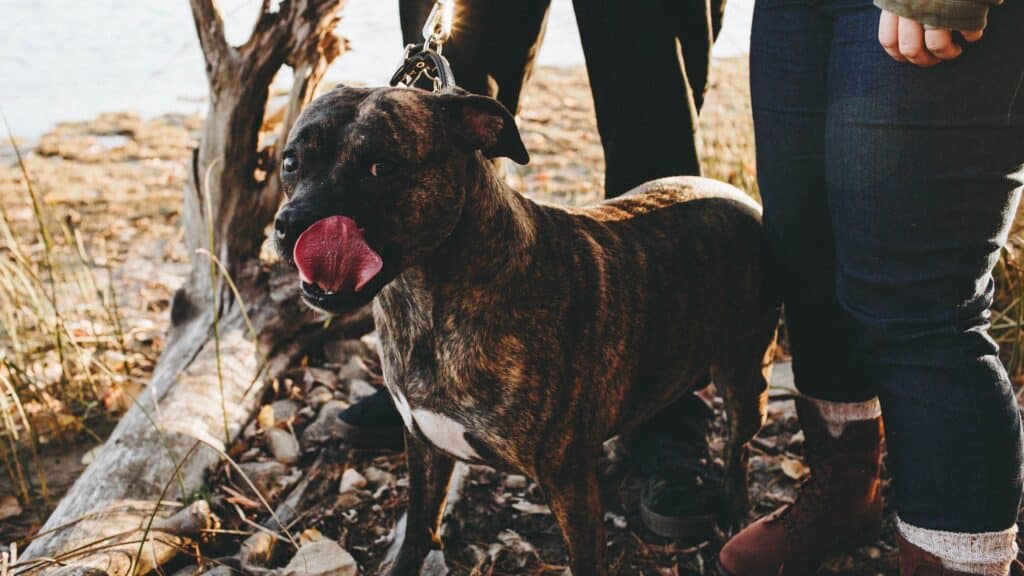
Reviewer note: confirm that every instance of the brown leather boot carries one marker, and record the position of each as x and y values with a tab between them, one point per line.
839	506
917	562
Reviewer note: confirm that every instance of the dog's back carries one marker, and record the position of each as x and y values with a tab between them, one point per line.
666	283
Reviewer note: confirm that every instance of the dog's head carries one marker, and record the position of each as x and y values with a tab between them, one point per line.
376	179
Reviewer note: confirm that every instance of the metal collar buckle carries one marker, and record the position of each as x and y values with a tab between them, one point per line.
423	66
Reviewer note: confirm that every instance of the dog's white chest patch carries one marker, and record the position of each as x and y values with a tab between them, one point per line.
445	433
403	407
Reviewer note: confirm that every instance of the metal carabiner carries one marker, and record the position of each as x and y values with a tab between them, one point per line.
438	27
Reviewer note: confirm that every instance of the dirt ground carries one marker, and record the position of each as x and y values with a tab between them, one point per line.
119	180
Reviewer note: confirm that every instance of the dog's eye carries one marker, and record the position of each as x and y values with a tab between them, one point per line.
381	168
289	163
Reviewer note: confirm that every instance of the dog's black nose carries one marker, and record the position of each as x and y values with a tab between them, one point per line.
281	226
291	220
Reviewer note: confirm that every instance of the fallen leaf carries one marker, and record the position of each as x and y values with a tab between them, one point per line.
795	469
241	499
9	507
310	535
266	417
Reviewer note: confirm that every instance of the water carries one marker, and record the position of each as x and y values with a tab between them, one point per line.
69	60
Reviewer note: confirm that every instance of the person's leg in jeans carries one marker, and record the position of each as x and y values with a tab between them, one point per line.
790	46
916	166
924	178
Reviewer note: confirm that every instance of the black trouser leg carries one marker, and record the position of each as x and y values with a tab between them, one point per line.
646	113
493	47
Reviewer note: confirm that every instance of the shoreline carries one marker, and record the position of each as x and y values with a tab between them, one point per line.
156	65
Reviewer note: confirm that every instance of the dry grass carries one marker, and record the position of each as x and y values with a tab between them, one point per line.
70	359
64	361
1008	310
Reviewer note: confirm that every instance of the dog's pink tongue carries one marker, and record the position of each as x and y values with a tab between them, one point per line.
333	255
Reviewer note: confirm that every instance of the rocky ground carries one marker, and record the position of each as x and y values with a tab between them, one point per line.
119	179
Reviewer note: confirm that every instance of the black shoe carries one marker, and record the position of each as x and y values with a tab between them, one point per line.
373	424
683	495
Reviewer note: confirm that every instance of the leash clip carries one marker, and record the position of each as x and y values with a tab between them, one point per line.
423	66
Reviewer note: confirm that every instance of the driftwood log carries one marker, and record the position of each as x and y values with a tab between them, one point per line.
210	377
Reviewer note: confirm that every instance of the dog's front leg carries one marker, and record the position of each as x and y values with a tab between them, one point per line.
429	473
575	498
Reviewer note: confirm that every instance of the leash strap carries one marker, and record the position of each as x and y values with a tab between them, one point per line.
423	66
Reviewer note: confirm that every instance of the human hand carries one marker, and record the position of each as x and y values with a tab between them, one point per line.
909	41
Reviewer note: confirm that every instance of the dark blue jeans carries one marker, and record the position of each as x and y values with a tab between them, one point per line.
889	191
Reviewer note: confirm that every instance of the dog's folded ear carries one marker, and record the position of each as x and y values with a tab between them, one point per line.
484	124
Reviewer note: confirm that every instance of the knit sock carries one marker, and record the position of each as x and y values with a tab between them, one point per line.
837	415
983	553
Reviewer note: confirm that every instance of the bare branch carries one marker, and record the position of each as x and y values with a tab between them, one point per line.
210	28
273	39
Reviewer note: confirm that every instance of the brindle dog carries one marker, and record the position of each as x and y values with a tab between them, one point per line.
514	333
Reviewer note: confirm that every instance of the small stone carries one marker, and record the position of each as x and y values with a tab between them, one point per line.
321	558
359	389
371	341
378	477
797	439
89	456
327	426
256	552
266	476
516	482
354	368
322	376
434	565
319	396
352	480
189	522
350	500
531	508
9	507
618	521
283	446
284	410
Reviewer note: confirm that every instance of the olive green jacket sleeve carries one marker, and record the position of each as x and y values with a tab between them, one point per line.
951	14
